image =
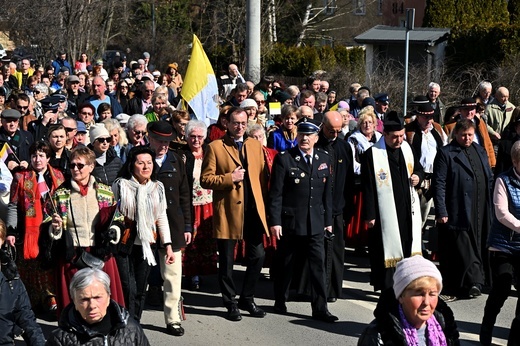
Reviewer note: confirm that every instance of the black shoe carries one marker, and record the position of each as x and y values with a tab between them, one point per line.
252	308
324	316
175	329
331	299
234	314
474	291
280	308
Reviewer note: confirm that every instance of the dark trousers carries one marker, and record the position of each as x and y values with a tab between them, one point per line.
335	259
312	245
503	267
255	254
134	271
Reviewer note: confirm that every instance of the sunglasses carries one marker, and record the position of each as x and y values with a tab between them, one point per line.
79	165
139	133
36	92
22	108
69	129
103	140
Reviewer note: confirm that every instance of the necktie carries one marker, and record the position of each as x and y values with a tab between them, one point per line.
309	162
239	145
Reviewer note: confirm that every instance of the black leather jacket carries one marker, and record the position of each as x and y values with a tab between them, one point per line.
73	331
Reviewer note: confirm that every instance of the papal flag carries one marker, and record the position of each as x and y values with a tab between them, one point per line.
200	90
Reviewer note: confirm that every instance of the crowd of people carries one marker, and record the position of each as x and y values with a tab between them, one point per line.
116	197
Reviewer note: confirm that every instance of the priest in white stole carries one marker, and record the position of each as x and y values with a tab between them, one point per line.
391	208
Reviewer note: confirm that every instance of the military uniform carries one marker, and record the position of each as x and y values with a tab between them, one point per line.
301	202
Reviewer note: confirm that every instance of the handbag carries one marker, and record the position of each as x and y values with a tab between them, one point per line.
83	258
87	260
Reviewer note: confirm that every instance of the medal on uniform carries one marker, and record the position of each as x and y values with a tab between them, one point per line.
297	158
296	181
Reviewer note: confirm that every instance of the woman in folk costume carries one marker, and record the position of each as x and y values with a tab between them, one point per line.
143	203
29	191
361	140
77	226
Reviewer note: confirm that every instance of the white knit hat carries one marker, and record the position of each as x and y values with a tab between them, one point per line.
413	268
248	103
98	131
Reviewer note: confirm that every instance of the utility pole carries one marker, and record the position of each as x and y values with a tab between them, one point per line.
253	40
410	18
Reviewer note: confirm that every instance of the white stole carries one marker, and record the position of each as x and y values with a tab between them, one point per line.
385	197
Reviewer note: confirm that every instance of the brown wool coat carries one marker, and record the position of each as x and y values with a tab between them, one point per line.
220	160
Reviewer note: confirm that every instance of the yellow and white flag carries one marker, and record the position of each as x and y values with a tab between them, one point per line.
200	90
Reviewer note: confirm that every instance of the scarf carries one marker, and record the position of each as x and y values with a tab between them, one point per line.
361	143
393	251
143	203
34	212
435	336
290	135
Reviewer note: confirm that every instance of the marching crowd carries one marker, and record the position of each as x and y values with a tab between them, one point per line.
112	197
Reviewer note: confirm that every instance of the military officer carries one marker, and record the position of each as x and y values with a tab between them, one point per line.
300	213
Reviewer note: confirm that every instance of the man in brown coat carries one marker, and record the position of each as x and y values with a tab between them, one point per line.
234	169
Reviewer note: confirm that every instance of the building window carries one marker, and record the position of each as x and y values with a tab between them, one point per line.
380	8
360	9
330	6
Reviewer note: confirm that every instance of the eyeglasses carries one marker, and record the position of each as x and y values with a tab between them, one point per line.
10	120
36	92
104	140
86	113
138	133
70	129
260	102
79	165
22	107
197	137
123	86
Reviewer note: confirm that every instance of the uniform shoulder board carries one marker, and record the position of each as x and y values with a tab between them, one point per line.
322	150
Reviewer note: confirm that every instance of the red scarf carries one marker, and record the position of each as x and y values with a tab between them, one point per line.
34	214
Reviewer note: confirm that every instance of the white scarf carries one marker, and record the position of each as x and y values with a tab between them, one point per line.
151	202
393	251
361	142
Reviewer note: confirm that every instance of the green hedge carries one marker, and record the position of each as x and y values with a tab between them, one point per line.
303	61
485	46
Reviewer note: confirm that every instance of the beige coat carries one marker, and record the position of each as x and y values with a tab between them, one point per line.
220	160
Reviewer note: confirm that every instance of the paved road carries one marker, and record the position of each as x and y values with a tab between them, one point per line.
206	325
